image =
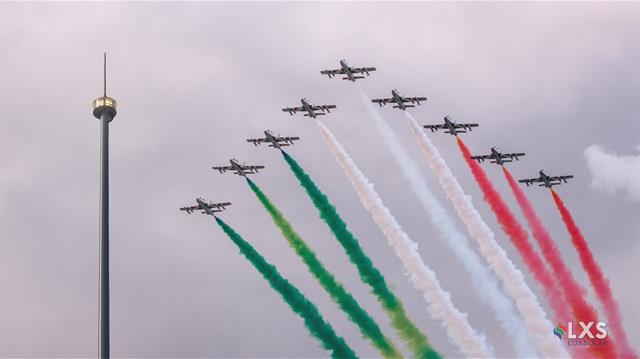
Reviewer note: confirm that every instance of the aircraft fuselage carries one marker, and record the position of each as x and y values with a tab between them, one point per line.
307	107
548	181
347	70
236	166
398	99
203	205
497	156
271	139
451	126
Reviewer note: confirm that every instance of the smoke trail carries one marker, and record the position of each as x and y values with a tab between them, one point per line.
518	236
369	274
599	282
535	319
573	292
296	300
484	283
368	327
440	307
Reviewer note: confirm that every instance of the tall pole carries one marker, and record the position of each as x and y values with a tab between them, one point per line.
104	108
104	236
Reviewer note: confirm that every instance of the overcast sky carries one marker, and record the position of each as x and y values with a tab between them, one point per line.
194	80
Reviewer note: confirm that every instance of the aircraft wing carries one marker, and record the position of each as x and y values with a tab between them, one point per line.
292	110
217	207
332	73
481	158
326	108
560	178
530	181
465	125
512	155
222	169
285	141
414	99
382	101
256	141
363	70
252	169
435	128
190	209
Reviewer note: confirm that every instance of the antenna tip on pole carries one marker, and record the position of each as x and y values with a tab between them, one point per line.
105	74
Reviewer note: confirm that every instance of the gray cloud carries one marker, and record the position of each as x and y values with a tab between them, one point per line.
612	172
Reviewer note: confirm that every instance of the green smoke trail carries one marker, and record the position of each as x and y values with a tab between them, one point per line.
369	274
296	300
368	327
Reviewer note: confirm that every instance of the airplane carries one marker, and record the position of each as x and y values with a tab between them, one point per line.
239	169
276	141
207	208
545	180
350	72
399	100
310	109
498	157
451	127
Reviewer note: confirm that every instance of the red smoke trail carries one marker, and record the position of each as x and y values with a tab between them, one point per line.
518	237
574	294
598	281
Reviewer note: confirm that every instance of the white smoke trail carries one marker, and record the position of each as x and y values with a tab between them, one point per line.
485	284
440	307
534	316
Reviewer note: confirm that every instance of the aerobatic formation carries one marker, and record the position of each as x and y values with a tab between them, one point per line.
572	327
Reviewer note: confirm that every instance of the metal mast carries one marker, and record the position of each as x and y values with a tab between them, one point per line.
104	109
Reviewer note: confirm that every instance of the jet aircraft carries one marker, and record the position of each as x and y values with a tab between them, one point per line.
239	169
399	100
310	109
452	127
545	180
348	71
498	157
275	141
207	208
